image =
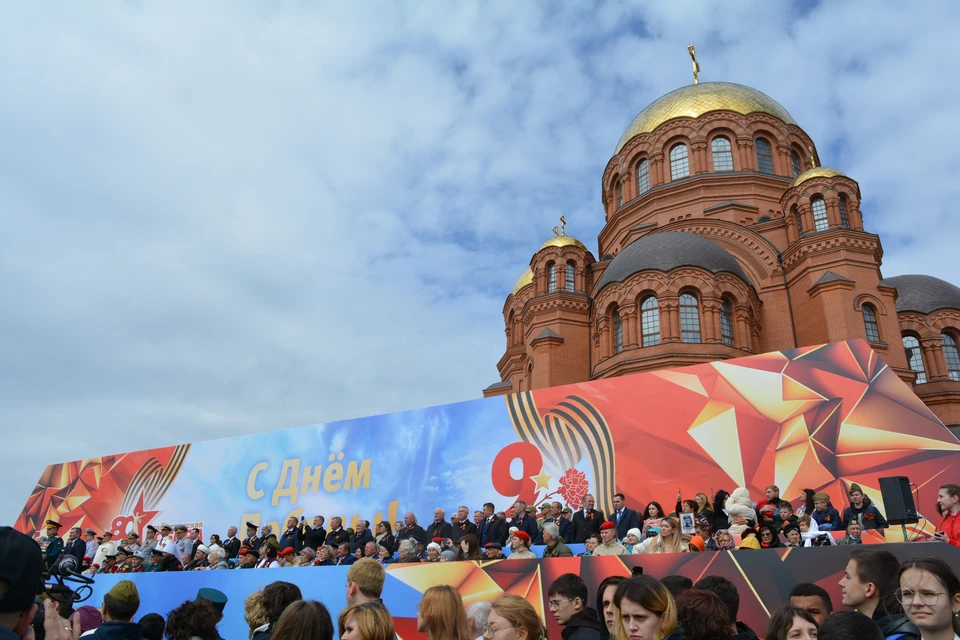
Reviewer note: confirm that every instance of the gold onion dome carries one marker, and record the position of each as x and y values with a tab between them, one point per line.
562	241
525	278
692	101
816	172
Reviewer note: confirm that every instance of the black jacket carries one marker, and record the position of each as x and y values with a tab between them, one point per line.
291	538
583	525
360	539
461	529
338	537
493	531
314	538
119	631
629	519
440	529
232	547
416	532
77	548
583	625
388	542
678	634
744	633
894	624
527	523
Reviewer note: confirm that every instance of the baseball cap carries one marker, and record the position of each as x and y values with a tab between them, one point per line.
21	565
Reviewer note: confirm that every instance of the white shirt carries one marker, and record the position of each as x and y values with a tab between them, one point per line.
102	551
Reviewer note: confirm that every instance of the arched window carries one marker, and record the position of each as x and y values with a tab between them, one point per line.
819	207
799	218
844	218
764	156
763	219
571	272
679	165
617	332
650	321
870	322
726	322
951	355
643	176
619	194
551	278
914	358
689	319
795	163
722	156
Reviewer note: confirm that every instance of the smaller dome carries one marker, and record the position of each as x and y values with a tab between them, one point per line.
924	294
668	250
562	241
816	172
525	278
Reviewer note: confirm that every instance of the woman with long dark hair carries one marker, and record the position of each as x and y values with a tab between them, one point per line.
384	538
721	518
192	619
652	517
469	548
276	597
304	620
703	615
606	610
791	623
930	594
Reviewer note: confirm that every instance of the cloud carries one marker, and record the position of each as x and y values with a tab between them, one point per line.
221	219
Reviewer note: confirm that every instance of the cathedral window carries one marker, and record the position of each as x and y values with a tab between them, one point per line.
551	278
870	323
617	332
726	322
819	207
619	194
679	163
643	176
650	321
951	355
722	155
795	163
799	218
689	319
844	217
914	357
571	272
764	156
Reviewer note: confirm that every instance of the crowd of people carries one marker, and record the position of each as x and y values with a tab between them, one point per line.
728	521
916	599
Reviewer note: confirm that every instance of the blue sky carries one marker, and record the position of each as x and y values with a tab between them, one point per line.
221	219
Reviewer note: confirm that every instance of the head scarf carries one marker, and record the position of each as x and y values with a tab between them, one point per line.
724	547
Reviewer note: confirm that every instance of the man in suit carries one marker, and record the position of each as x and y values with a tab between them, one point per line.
586	520
251	541
624	518
76	546
291	536
412	530
232	544
463	525
337	535
314	536
361	536
493	528
523	520
440	528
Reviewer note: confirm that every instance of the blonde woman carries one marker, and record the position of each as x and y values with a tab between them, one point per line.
514	618
366	621
645	609
441	614
668	540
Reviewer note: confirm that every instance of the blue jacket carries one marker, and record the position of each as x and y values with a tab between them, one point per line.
828	519
868	516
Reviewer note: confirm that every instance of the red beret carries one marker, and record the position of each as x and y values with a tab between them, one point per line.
287	552
523	535
607	525
243	552
438	540
87	558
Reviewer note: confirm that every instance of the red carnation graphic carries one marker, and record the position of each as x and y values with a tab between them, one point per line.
573	487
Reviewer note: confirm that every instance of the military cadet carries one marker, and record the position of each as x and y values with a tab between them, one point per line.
251	540
54	544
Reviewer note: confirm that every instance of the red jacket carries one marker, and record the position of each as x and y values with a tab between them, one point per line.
951	527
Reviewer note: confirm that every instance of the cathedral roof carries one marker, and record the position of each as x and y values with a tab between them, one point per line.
667	250
816	172
525	278
695	100
563	241
924	294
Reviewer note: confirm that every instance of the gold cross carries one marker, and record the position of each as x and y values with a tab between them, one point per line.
696	66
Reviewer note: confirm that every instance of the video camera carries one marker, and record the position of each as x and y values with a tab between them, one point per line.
66	568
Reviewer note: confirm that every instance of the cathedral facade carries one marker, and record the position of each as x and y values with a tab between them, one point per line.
724	237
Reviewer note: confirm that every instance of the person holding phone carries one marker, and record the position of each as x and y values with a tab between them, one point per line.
948	499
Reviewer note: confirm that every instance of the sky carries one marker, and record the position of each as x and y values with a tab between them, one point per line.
225	218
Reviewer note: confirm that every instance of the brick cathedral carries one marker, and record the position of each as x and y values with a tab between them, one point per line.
724	237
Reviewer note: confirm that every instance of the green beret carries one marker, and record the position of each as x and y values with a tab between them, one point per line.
821	496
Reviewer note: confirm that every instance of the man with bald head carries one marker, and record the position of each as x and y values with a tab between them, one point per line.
586	520
412	530
370	550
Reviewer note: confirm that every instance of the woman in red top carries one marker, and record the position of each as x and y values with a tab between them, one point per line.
949	502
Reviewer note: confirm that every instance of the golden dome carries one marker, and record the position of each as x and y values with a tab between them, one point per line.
525	278
562	241
816	172
692	101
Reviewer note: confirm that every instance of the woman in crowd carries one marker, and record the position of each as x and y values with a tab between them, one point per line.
192	619
705	531
948	505
384	537
606	610
304	620
646	610
514	618
254	613
632	540
791	623
807	507
702	615
687	506
217	560
930	595
769	538
469	548
324	556
725	541
215	540
366	621
590	545
811	534
276	597
433	552
307	557
384	556
398	527
441	614
653	517
668	540
792	533
268	558
704	512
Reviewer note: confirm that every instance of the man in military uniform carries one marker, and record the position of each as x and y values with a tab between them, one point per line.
54	545
132	544
166	535
107	546
180	538
251	540
156	556
134	564
121	564
149	543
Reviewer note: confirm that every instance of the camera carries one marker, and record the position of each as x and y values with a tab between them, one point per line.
66	568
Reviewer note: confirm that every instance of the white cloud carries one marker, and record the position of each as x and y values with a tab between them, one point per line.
224	219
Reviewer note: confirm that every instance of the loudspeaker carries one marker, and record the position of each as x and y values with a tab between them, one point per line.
898	500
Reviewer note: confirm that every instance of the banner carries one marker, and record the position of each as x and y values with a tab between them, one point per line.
819	417
763	578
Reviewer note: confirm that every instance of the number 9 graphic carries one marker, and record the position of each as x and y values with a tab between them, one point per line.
522	488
